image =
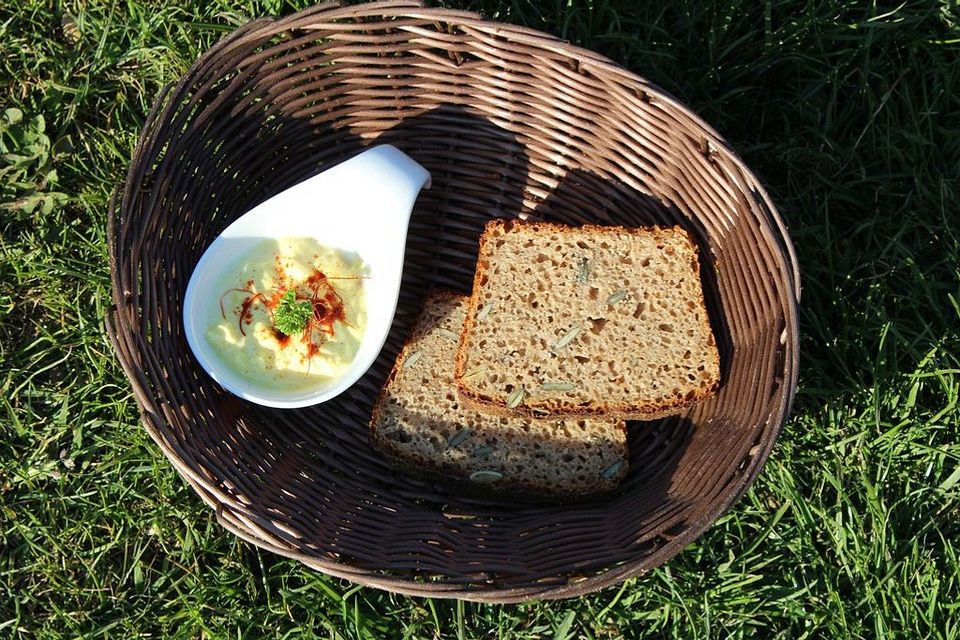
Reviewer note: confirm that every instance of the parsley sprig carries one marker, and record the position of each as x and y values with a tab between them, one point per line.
291	315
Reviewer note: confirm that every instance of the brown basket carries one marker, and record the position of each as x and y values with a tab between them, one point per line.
509	122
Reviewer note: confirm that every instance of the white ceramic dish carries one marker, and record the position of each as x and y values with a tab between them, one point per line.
362	205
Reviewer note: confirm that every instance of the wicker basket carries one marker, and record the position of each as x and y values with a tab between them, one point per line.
510	122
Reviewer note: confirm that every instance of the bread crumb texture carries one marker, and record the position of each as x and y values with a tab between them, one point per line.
587	320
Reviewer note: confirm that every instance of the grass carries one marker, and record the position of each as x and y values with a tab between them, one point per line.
849	112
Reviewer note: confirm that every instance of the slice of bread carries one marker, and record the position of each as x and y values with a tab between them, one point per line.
419	420
586	321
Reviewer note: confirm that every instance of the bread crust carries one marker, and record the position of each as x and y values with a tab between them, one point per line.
636	411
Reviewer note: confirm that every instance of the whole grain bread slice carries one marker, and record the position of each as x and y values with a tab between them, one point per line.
419	420
578	321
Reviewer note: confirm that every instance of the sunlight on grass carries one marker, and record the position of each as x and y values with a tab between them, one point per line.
849	114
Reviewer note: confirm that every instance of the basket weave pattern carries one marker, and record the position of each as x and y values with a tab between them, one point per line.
509	122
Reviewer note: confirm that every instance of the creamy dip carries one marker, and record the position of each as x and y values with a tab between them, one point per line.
242	330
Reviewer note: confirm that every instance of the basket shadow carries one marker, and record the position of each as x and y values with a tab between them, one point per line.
316	465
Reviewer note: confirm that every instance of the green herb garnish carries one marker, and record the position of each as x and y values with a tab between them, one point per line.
291	315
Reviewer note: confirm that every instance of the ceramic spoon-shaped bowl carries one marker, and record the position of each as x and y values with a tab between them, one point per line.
362	205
